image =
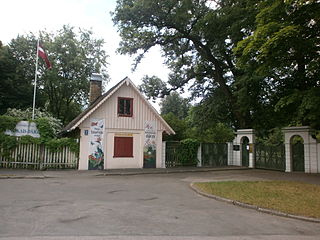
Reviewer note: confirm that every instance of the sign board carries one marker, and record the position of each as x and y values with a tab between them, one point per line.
149	149
24	128
236	147
250	148
96	143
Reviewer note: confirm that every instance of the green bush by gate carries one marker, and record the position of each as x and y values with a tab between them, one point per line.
185	153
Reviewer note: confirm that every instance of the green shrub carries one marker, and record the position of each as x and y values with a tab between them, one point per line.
187	152
56	145
49	125
272	137
8	123
48	128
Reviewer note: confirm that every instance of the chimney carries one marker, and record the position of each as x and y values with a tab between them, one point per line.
95	87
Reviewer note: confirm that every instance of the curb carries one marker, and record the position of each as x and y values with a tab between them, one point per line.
167	172
254	207
124	172
21	177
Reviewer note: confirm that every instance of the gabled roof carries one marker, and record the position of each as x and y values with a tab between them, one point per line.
104	97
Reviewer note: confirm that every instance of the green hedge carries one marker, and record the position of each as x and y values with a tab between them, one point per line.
47	136
187	152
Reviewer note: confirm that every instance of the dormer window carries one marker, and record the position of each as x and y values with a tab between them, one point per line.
125	107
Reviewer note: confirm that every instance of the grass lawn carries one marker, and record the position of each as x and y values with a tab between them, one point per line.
289	197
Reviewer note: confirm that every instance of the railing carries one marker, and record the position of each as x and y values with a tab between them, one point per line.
270	156
172	154
35	156
214	154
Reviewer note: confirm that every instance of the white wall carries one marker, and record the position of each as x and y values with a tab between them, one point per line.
111	162
249	133
113	124
318	157
311	148
141	112
159	150
84	150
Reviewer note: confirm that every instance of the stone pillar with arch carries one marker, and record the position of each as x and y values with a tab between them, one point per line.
311	148
244	144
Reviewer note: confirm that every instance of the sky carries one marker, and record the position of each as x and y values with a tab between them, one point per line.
24	16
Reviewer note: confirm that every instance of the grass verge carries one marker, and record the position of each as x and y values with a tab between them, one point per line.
289	197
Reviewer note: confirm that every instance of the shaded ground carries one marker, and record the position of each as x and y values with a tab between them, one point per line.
73	204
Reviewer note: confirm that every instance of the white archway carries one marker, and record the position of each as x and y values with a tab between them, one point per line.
237	153
311	158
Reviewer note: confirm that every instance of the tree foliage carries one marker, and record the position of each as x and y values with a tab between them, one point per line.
175	104
15	89
206	127
187	152
48	128
285	51
152	86
195	52
74	54
180	126
48	125
253	63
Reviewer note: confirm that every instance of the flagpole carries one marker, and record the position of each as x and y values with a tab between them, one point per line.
35	82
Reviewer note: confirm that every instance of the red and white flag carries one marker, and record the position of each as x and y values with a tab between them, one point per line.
44	56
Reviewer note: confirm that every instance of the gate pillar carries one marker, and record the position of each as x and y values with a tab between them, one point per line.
311	161
244	136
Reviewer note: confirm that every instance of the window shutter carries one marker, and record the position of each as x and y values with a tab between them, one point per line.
123	146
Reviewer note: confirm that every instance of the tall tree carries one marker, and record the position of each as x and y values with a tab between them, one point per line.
15	88
196	39
74	55
175	104
284	50
152	87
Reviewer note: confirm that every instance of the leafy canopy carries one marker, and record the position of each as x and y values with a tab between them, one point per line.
63	91
259	60
196	54
175	104
285	51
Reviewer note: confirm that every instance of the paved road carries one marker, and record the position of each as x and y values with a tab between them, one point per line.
162	206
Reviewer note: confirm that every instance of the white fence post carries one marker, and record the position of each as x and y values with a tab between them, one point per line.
230	153
163	159
38	156
199	156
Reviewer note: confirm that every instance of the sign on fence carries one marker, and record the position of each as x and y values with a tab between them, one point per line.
24	128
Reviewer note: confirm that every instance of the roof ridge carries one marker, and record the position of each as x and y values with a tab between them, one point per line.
82	116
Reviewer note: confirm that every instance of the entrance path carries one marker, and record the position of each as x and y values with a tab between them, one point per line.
82	205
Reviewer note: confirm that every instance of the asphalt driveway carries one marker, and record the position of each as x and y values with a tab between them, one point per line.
80	205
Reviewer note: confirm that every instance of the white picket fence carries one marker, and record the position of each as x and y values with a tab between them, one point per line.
35	156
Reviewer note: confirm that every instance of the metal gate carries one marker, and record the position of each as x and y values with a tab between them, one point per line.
245	152
214	154
270	156
297	156
172	154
